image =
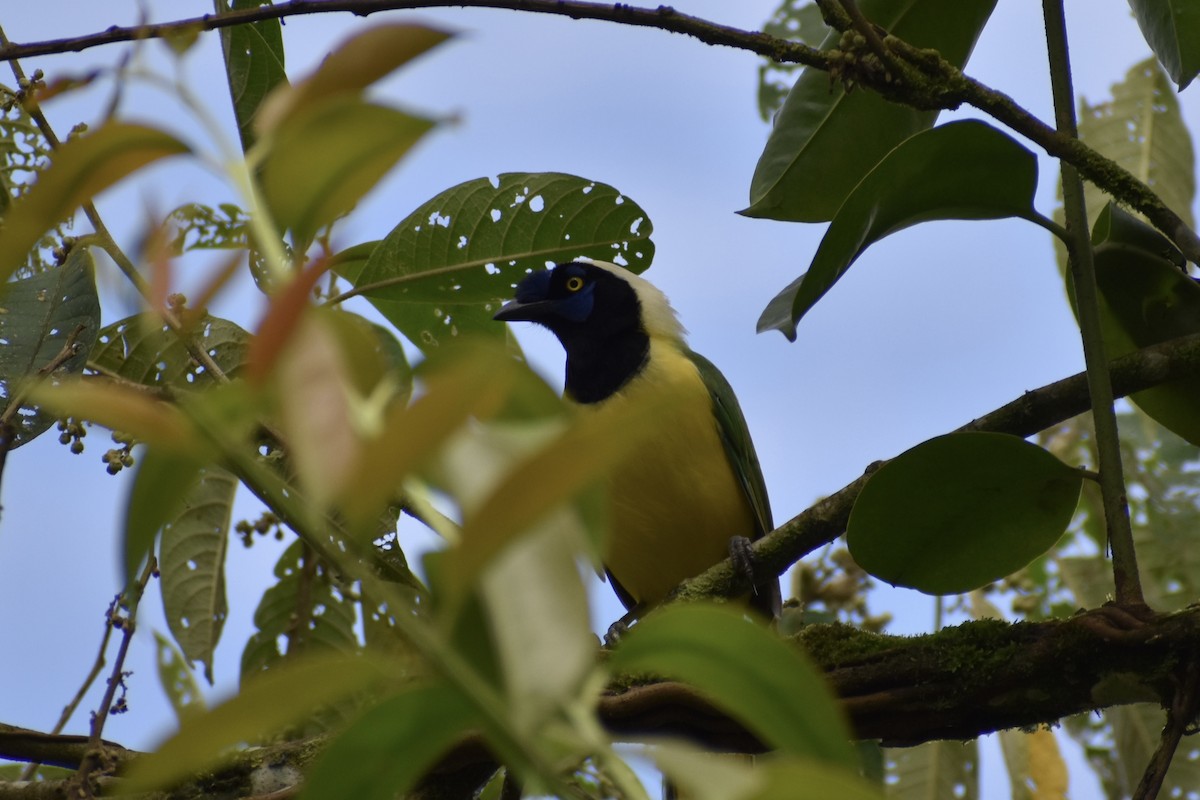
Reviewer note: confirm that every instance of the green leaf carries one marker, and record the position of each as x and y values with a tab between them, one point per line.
702	775
961	510
1147	299
191	563
384	753
24	151
41	314
961	170
325	157
195	226
444	270
163	479
280	698
1137	731
806	170
82	168
763	682
177	680
351	67
305	608
254	64
934	770
1172	29
143	349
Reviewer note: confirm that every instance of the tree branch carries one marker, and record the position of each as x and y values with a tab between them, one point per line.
929	82
1032	412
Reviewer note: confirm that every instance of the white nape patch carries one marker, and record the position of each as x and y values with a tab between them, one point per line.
657	315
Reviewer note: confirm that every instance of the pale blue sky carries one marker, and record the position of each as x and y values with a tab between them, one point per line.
931	328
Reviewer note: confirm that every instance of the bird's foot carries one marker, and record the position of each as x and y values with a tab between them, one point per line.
1116	622
619	628
741	554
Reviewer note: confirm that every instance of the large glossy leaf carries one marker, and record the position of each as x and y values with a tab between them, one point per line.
1147	299
384	753
191	564
806	170
960	511
264	706
145	350
41	315
325	157
82	168
1172	29
962	170
933	771
765	683
254	64
444	270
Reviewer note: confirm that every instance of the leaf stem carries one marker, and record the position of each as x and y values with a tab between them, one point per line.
1112	480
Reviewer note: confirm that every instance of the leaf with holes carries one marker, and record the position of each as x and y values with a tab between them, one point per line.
41	315
303	607
191	562
960	511
177	680
445	269
144	350
82	168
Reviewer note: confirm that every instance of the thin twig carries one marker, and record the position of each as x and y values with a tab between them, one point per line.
1032	412
1108	445
1179	716
94	761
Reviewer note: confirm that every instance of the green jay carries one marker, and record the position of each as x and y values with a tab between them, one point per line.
693	493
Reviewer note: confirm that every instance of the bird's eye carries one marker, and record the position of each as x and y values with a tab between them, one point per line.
574	283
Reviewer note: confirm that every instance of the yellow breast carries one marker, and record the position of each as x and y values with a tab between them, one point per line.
676	502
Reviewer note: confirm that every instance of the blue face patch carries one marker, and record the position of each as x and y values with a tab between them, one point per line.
533	287
578	306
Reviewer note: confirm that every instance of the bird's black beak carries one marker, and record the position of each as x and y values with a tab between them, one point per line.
516	311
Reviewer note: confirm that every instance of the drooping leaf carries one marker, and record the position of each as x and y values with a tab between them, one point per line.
757	678
361	762
145	350
1172	29
806	170
42	314
263	706
254	64
191	563
177	680
82	168
961	510
305	609
120	408
961	170
934	770
325	157
350	67
1147	299
444	270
